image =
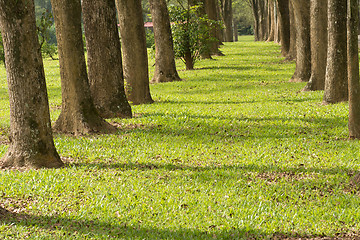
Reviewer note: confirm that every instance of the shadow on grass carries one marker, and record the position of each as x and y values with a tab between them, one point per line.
98	229
95	228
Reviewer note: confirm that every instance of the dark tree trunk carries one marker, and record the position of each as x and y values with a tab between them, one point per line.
236	30
303	49
226	9
31	141
292	50
135	59
283	6
104	59
78	113
353	70
165	68
211	12
263	20
255	8
336	85
318	28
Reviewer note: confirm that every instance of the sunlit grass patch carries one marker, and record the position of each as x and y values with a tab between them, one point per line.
234	151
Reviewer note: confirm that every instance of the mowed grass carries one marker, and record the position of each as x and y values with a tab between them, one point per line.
234	151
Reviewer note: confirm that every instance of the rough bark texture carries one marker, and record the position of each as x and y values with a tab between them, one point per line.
165	68
277	25
318	29
292	49
31	141
353	70
211	12
283	6
104	59
78	113
133	41
226	9
303	49
336	86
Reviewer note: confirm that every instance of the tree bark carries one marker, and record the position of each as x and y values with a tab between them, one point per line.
292	49
353	69
226	7
283	6
31	141
318	29
165	68
255	8
303	49
104	59
133	41
78	114
336	85
272	22
211	12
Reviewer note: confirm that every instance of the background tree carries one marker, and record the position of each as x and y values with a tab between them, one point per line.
31	142
134	51
227	16
78	114
191	33
284	17
303	50
353	69
336	86
104	58
318	29
165	68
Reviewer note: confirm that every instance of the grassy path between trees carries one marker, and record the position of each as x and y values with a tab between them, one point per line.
234	151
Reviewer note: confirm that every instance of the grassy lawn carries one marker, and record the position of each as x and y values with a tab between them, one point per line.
234	151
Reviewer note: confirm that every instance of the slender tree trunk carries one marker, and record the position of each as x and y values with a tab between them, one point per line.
277	24
31	141
133	41
336	85
283	6
227	15
78	114
263	20
303	49
255	8
318	29
236	30
292	50
272	22
353	69
104	59
165	68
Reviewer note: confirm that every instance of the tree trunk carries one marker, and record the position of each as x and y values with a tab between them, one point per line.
255	8
271	21
236	30
211	12
31	141
353	69
104	59
283	6
336	86
133	41
303	49
318	29
263	20
292	50
226	6
277	24
165	68
78	114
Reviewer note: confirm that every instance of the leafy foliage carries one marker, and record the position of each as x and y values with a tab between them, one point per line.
45	24
191	33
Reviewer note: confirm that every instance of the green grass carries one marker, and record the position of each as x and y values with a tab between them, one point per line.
234	151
